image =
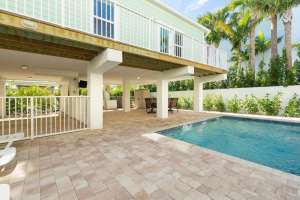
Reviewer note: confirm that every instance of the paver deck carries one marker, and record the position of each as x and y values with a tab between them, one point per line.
126	160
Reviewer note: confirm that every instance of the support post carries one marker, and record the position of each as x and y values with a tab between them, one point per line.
198	95
95	106
126	96
162	99
103	62
2	99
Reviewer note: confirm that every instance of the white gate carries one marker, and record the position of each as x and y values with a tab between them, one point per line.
42	116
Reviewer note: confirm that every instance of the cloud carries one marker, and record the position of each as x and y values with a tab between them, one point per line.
195	5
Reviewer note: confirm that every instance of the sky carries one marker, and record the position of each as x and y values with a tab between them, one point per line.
195	8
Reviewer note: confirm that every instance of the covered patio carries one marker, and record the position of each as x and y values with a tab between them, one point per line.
126	160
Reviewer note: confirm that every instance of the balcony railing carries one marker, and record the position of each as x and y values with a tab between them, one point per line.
130	27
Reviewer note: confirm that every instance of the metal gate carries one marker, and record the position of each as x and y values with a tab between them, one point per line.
40	116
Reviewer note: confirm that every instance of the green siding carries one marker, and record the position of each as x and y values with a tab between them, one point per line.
150	9
78	13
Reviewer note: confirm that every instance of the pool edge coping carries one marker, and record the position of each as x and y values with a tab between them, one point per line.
258	117
273	171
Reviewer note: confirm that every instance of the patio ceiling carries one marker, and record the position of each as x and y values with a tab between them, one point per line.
53	68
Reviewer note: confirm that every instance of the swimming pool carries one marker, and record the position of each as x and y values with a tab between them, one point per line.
270	143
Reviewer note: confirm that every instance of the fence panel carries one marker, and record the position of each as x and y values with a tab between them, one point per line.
42	116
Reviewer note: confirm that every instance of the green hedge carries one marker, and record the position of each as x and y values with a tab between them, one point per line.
251	104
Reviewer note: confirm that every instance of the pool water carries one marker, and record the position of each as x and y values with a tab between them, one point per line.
270	143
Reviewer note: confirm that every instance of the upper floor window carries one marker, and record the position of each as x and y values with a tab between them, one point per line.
164	40
104	11
178	44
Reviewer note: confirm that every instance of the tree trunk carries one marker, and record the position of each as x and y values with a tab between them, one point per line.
287	21
252	45
274	43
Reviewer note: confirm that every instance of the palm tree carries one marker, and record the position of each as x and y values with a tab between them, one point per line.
209	20
249	6
272	8
262	44
287	16
236	31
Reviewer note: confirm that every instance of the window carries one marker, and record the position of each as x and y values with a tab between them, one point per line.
104	18
164	40
178	44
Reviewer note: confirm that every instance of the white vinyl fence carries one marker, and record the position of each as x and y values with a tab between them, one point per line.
42	116
286	93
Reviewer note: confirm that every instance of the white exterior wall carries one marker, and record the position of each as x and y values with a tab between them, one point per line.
287	93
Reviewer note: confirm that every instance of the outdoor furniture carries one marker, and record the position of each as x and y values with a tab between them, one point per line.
151	104
173	102
109	104
8	154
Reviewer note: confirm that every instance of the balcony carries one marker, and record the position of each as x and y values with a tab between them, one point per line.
119	24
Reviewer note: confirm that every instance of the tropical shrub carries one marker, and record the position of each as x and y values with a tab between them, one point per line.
297	71
185	103
234	105
297	65
274	71
270	106
214	103
293	107
28	91
83	91
262	75
219	104
208	103
250	104
249	77
116	91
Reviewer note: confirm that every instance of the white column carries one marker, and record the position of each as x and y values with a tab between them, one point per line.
198	95
162	99
2	100
126	96
103	62
95	107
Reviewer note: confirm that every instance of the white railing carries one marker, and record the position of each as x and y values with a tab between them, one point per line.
42	116
131	27
139	30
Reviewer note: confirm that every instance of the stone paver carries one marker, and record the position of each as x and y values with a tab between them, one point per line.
126	160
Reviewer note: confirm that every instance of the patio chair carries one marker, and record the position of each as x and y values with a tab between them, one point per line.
150	105
108	103
8	154
173	102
